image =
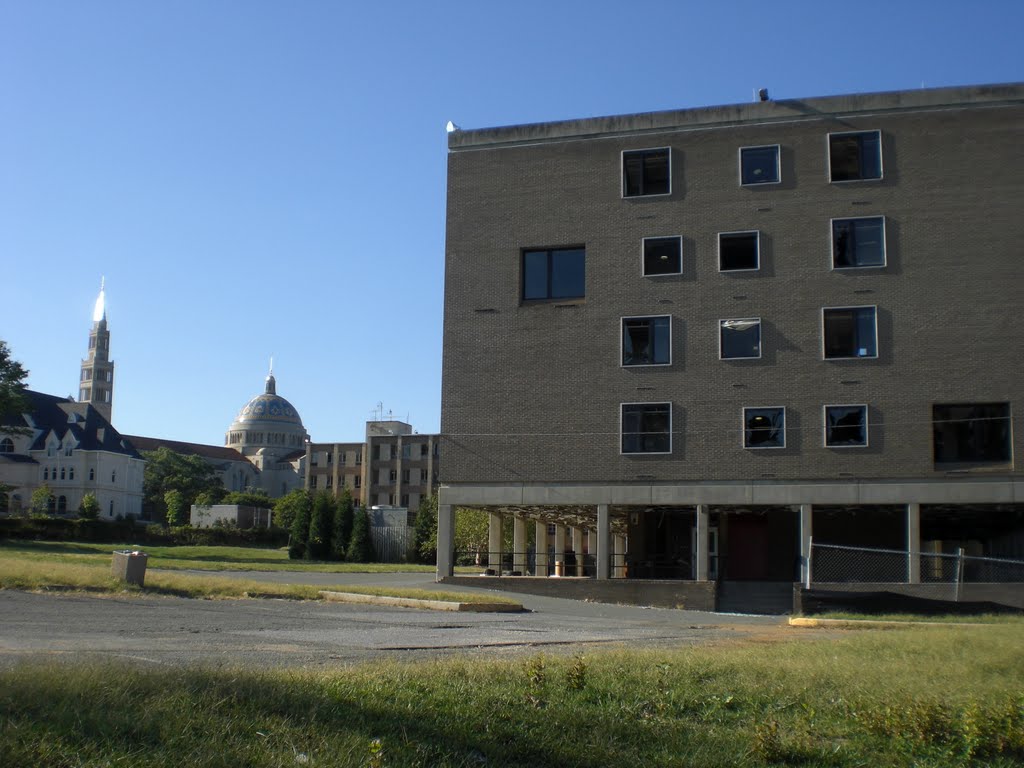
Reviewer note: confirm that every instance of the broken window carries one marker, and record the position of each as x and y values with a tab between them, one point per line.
662	256
855	156
846	426
740	339
647	340
646	427
849	332
967	433
646	172
858	242
759	165
557	273
738	251
764	427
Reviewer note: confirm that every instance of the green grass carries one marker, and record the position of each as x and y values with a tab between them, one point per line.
985	618
197	558
926	697
86	568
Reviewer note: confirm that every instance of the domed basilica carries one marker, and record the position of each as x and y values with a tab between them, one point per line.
268	431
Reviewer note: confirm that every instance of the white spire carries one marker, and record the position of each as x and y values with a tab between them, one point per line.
99	312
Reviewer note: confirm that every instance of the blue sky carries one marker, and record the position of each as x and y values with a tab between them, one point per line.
266	178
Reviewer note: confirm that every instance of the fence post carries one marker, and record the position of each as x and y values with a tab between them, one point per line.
959	573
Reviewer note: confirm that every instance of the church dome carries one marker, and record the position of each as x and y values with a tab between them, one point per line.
267	420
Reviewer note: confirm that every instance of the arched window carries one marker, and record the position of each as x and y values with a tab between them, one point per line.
62	505
46	473
92	473
113	475
71	473
111	508
51	504
63	472
6	445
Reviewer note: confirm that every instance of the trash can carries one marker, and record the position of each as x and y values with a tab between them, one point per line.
130	566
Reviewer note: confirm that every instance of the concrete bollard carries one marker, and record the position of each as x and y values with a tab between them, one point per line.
130	566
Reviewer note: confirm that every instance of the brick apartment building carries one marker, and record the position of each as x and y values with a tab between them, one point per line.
394	467
693	340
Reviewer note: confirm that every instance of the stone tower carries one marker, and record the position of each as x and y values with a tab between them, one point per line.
96	384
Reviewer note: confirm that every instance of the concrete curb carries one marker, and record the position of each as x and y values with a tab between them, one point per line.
811	623
429	605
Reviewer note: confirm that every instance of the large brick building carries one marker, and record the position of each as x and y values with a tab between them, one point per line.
702	336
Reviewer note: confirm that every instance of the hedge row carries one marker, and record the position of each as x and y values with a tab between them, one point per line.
126	531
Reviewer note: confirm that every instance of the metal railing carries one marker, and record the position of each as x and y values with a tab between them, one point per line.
564	565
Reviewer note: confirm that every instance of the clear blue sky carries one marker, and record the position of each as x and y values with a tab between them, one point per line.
268	178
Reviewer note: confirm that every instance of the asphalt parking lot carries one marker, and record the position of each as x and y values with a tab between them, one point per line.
176	631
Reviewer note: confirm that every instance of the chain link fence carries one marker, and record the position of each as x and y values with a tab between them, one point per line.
837	564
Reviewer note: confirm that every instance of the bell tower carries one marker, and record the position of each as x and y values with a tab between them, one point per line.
96	383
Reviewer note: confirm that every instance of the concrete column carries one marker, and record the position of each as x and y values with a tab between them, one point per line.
540	533
703	518
619	550
445	541
494	543
577	547
603	536
519	544
913	543
806	531
560	548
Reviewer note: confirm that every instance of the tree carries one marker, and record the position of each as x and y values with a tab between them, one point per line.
321	526
286	507
89	509
13	402
343	518
42	502
425	532
300	527
174	502
360	547
248	499
167	470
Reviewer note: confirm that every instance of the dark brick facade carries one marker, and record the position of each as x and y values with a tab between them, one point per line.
531	392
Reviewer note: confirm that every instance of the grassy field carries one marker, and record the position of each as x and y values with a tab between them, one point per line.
918	697
196	558
40	566
985	618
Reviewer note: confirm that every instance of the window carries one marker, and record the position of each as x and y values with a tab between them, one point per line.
330	481
6	445
855	156
424	450
662	256
330	457
764	427
62	505
392	476
404	501
646	172
359	458
846	426
113	476
849	332
739	339
739	251
71	473
68	449
406	451
358	481
46	473
92	474
312	481
647	340
858	242
557	273
759	165
376	453
646	427
972	433
405	476
63	473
